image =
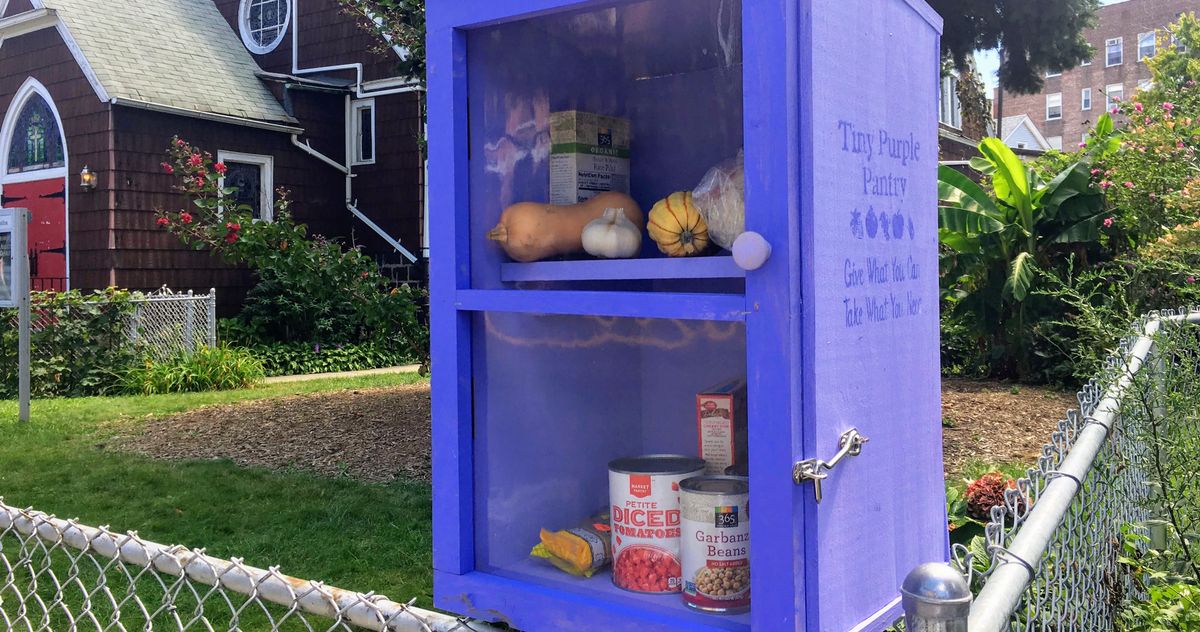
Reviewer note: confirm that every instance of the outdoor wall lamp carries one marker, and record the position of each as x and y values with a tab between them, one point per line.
87	179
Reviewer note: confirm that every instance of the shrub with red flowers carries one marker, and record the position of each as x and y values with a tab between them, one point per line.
309	289
986	492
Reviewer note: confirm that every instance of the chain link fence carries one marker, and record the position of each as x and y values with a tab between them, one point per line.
61	576
81	344
1054	555
164	323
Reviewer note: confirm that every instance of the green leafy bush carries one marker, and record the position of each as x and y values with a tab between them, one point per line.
995	242
303	359
206	369
80	344
310	289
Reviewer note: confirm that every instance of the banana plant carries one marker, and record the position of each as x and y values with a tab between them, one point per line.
995	241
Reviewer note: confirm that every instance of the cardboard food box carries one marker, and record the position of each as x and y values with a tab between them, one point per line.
721	425
589	154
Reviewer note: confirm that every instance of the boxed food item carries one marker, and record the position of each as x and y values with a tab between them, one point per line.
721	425
589	154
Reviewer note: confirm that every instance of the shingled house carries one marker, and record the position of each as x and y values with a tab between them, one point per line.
289	93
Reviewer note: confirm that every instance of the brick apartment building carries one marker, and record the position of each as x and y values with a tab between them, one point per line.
1125	34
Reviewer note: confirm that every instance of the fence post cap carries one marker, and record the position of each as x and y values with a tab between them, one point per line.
936	590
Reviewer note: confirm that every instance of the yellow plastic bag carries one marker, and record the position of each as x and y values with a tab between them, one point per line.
581	551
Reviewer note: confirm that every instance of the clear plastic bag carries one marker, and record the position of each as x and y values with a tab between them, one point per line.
721	199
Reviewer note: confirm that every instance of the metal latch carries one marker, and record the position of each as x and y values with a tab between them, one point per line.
816	470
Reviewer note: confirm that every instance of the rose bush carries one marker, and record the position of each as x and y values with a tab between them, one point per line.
309	289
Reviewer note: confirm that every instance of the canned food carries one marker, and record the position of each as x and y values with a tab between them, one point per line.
644	494
716	543
738	469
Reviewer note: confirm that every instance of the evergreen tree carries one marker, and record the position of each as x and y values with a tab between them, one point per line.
1034	35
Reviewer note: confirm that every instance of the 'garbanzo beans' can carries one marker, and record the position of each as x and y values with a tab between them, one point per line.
715	543
644	494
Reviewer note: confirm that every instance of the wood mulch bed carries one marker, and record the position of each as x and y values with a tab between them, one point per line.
371	435
996	422
379	435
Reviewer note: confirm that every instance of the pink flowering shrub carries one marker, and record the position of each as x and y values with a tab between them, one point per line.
309	289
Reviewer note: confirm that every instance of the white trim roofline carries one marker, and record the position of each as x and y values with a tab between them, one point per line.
208	116
1033	129
26	22
42	18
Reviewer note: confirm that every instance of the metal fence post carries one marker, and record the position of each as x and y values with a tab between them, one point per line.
212	317
1157	366
189	322
936	598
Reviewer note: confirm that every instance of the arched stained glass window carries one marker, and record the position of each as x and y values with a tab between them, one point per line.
36	141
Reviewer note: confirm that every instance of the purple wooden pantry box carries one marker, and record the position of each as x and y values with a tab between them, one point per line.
544	372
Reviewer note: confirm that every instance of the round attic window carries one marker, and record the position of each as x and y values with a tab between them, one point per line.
263	23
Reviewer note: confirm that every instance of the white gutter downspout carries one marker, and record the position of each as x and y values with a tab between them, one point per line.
359	93
351	205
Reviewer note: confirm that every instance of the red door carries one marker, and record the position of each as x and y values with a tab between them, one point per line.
47	204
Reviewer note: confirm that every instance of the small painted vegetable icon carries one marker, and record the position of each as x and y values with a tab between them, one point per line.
898	225
912	234
885	223
872	222
856	227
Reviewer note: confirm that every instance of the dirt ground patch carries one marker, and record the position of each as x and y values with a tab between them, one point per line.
373	435
997	422
379	435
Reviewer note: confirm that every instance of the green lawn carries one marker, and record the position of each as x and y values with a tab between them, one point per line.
347	534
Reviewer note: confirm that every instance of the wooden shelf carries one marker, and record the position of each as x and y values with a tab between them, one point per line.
590	604
721	267
673	305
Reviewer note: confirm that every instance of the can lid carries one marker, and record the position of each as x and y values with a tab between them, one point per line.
715	485
656	464
738	469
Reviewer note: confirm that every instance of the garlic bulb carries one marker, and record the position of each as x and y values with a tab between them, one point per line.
612	236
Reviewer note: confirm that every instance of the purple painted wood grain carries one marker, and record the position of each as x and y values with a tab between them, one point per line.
721	267
809	64
668	305
774	351
450	339
554	606
884	511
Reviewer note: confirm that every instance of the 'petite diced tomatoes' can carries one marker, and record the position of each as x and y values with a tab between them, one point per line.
644	494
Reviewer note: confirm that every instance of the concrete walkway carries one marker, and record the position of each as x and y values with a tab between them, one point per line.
410	368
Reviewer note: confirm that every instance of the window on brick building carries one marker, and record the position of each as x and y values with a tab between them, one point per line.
1145	84
1085	99
363	130
263	23
1055	142
1054	106
1113	95
252	176
1114	51
1146	45
1053	73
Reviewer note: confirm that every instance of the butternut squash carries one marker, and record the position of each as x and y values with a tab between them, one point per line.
531	231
